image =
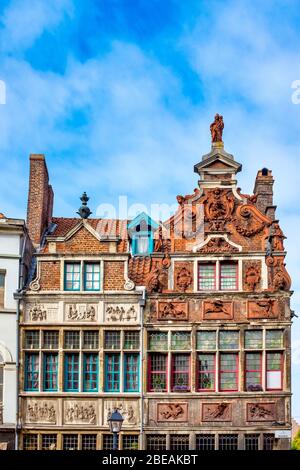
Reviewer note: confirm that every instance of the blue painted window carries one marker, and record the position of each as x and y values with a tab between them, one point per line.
50	372
112	372
31	372
91	276
142	244
71	373
72	276
90	372
131	372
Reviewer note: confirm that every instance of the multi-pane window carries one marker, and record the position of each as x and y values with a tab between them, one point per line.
90	372
49	441
112	372
50	339
206	340
130	442
206	276
179	442
71	372
30	441
89	441
131	340
180	372
228	275
107	442
253	372
31	372
72	339
90	340
205	442
158	341
157	372
228	372
229	339
70	442
251	441
32	339
228	442
131	369
91	276
206	372
253	339
181	340
50	372
72	276
274	339
112	340
268	441
156	442
274	371
2	289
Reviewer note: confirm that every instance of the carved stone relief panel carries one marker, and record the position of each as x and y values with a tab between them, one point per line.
251	275
183	276
172	311
41	312
172	412
125	313
41	411
80	412
265	308
260	412
216	412
128	409
217	310
81	312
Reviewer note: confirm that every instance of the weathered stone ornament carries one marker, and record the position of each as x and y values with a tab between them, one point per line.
216	129
84	210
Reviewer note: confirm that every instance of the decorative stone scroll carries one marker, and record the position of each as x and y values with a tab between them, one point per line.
217	310
247	221
41	412
81	312
260	411
172	311
218	245
172	412
41	312
216	412
121	313
264	308
76	412
128	409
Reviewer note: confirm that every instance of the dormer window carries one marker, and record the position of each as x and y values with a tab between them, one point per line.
141	232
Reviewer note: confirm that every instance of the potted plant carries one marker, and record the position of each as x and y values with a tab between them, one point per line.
180	386
158	385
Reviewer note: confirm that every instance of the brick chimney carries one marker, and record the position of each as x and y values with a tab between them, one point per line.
40	198
263	188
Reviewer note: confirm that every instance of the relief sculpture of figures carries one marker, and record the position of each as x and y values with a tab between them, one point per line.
172	412
216	309
216	412
216	129
260	412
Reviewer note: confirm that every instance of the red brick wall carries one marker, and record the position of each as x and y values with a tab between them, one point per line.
83	242
50	275
114	275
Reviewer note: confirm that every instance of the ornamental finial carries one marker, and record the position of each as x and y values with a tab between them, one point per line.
83	210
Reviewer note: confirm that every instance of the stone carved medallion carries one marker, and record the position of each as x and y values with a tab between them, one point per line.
262	309
183	277
41	312
217	310
128	409
77	412
216	412
218	204
41	411
172	412
121	313
260	411
172	311
252	275
81	312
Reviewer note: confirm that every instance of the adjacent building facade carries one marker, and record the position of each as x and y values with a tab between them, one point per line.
15	253
183	326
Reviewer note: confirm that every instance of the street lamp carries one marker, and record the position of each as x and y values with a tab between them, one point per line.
115	422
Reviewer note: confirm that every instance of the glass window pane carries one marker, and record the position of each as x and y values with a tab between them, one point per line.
72	339
50	372
206	371
32	339
158	372
142	245
131	366
92	276
228	372
50	339
112	340
229	340
90	339
228	276
180	372
274	339
206	276
158	341
253	339
181	340
206	340
131	340
112	372
253	372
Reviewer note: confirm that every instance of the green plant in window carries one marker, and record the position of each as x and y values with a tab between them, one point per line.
158	383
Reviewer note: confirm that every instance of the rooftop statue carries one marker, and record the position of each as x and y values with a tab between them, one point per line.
216	128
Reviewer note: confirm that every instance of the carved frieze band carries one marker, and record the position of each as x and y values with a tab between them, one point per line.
124	313
81	312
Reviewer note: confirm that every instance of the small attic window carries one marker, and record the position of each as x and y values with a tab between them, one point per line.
141	231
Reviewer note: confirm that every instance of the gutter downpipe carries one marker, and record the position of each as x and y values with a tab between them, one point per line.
142	303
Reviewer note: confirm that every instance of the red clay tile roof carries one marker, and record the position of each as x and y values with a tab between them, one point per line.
138	269
105	227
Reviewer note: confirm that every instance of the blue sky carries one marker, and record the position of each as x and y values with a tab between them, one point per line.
119	95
